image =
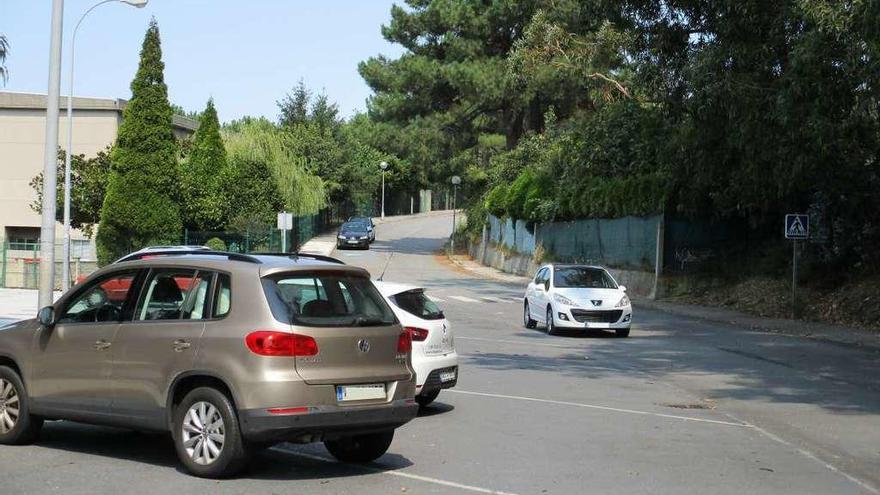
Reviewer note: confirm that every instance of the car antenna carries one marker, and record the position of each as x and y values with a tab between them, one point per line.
385	268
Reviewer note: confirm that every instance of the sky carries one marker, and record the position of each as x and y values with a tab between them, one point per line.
246	54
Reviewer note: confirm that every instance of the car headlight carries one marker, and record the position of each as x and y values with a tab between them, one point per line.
624	301
563	300
363	237
340	237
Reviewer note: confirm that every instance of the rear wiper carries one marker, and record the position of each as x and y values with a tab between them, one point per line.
367	321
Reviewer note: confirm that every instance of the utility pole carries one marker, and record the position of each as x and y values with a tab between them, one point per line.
383	166
50	165
456	180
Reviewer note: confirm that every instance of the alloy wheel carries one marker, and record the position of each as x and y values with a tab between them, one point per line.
550	321
9	406
203	433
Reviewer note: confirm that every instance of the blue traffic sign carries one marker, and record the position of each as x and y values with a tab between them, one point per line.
797	226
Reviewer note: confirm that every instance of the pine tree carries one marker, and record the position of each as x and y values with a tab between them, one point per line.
140	208
202	202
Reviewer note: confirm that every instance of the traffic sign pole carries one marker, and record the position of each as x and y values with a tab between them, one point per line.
794	244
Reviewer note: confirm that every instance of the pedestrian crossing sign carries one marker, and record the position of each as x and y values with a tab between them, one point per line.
797	226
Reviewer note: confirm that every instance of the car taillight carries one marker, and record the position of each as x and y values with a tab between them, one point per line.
404	342
268	343
417	334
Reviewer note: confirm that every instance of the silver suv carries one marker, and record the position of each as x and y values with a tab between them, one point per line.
228	352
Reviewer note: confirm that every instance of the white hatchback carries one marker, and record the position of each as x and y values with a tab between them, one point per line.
433	352
576	296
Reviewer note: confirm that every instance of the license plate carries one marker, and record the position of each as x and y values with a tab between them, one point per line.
447	376
352	242
360	392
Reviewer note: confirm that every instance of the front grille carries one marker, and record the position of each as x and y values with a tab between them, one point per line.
585	316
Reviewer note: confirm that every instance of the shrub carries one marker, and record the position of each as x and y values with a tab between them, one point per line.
216	244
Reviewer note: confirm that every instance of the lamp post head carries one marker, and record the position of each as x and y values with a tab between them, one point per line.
456	180
136	3
383	165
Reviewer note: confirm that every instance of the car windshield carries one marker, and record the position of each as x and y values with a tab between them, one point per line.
582	277
416	303
326	299
354	227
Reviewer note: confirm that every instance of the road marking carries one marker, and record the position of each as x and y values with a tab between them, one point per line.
519	342
426	479
493	299
464	299
436	299
602	408
806	453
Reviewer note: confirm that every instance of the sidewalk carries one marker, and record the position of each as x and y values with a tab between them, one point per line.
20	304
798	328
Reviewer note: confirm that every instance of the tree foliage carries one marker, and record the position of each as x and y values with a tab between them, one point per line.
140	207
202	199
4	52
731	110
88	183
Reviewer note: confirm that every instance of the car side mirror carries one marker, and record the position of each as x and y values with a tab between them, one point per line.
46	316
622	288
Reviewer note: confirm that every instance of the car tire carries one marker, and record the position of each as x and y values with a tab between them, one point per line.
18	426
360	448
551	326
622	332
233	453
528	322
424	399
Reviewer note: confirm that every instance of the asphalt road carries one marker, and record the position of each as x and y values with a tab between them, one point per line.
682	406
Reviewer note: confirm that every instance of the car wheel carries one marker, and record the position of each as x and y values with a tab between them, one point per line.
424	399
360	448
207	435
17	425
551	326
528	322
622	332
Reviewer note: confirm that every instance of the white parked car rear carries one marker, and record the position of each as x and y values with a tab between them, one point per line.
433	346
576	296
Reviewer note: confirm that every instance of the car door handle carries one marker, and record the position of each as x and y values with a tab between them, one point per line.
102	345
181	345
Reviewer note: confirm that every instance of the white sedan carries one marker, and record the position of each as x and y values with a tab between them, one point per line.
433	353
576	296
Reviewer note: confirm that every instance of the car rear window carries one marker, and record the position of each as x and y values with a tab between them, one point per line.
326	299
416	303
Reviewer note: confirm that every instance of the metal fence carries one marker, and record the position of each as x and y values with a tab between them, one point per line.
20	263
628	242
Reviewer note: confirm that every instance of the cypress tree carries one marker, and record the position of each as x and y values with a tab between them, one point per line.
140	207
202	205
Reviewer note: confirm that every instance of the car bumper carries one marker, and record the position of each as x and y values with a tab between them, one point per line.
428	371
325	422
564	318
357	243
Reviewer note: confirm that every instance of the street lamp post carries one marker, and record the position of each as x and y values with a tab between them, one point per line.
383	166
456	180
65	247
50	164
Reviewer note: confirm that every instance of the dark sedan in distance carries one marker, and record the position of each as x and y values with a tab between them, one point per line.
353	234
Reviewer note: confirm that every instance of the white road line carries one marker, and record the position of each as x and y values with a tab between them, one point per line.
426	479
464	299
436	299
601	408
806	453
517	299
493	299
520	342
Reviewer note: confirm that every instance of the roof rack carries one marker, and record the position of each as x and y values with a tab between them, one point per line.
294	256
191	252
